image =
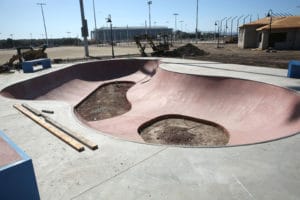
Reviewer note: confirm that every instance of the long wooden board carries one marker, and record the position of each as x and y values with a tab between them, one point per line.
55	131
73	134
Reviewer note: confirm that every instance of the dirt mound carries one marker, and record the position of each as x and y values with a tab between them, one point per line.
179	130
189	50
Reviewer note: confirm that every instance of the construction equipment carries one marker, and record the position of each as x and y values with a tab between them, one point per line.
158	50
30	54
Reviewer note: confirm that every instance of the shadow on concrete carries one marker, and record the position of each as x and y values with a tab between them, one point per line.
297	88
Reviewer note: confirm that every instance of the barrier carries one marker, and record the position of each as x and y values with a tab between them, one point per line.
294	69
27	66
17	178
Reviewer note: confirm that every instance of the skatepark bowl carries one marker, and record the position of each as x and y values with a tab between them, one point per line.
137	100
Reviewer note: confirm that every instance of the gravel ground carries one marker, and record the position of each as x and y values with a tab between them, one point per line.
228	53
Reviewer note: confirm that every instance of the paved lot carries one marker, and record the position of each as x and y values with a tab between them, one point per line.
126	170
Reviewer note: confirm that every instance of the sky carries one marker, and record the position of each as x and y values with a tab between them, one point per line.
22	19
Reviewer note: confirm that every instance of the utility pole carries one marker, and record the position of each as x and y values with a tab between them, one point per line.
197	21
149	5
43	4
95	32
84	29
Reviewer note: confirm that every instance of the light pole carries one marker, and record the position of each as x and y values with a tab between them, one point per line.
108	20
84	29
270	13
149	5
197	21
95	32
216	24
43	4
175	15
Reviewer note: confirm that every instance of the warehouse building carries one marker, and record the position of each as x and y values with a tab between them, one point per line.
123	34
274	32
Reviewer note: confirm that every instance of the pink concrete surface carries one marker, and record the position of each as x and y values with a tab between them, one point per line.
250	111
7	154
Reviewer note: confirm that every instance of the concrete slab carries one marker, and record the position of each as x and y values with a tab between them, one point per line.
121	169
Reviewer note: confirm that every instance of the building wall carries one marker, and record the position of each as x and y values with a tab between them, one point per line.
241	38
248	37
124	34
292	39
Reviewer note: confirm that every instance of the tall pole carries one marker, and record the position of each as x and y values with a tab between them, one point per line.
270	13
43	4
216	24
149	5
197	21
175	15
84	29
108	20
95	32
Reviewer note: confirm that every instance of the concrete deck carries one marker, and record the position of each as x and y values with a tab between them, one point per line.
127	170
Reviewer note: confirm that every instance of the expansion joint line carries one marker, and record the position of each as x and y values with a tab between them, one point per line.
121	172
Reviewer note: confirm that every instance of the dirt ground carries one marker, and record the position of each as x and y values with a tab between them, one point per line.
178	131
228	53
107	101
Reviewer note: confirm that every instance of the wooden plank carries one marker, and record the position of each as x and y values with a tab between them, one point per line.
55	131
73	134
33	110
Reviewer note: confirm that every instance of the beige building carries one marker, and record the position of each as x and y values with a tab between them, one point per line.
284	33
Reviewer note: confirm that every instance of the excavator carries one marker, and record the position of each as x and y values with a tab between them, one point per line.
30	54
158	50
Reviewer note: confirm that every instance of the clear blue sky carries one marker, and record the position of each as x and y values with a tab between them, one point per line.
22	17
